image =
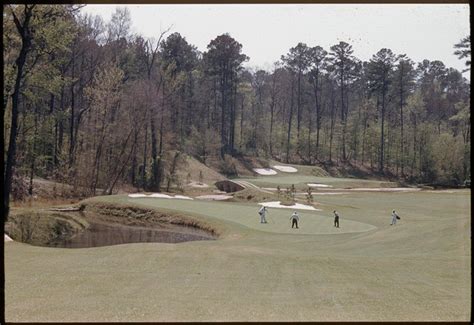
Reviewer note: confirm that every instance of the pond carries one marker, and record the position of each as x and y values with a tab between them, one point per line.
99	234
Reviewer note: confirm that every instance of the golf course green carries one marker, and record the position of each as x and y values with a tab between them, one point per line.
366	270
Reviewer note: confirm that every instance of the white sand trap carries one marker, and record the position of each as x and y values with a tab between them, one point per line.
265	171
137	195
329	193
386	189
159	196
182	197
298	206
198	185
214	197
286	169
318	185
7	238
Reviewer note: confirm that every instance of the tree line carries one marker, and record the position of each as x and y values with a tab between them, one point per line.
88	103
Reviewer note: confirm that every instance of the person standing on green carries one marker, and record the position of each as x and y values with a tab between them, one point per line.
294	220
336	219
262	212
395	217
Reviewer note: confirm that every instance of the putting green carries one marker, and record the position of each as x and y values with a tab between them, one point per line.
311	223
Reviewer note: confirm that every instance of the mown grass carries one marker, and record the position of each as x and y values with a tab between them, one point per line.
417	270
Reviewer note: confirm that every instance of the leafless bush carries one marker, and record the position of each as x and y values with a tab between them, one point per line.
27	227
227	166
19	189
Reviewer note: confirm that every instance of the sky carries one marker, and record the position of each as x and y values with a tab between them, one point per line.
267	31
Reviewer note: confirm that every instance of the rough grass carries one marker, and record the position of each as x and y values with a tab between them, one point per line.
194	167
132	214
42	202
38	227
417	270
253	195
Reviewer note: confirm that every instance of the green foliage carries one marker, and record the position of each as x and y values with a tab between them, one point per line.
448	154
464	50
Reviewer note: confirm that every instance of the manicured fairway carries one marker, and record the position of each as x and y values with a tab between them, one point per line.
416	270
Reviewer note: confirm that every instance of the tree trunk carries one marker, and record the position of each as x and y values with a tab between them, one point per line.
113	173
20	63
60	131
414	148
232	126
172	170
290	118
298	113
343	116
241	122
33	150
272	107
223	116
382	139
402	157
71	119
331	134
310	130
154	157
134	160
144	185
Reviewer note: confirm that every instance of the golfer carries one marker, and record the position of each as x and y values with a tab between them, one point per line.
294	220
336	219
262	212
394	218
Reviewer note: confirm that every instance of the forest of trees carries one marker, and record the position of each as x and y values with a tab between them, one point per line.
88	103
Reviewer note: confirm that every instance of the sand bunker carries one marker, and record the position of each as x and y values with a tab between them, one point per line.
7	238
182	197
386	189
137	195
265	171
198	185
318	185
298	206
214	197
286	169
160	196
329	193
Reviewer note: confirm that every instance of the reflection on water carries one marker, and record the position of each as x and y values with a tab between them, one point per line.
105	235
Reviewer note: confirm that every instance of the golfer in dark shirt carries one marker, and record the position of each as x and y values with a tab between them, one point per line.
336	219
294	219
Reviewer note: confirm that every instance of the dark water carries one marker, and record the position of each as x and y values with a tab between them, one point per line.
105	235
